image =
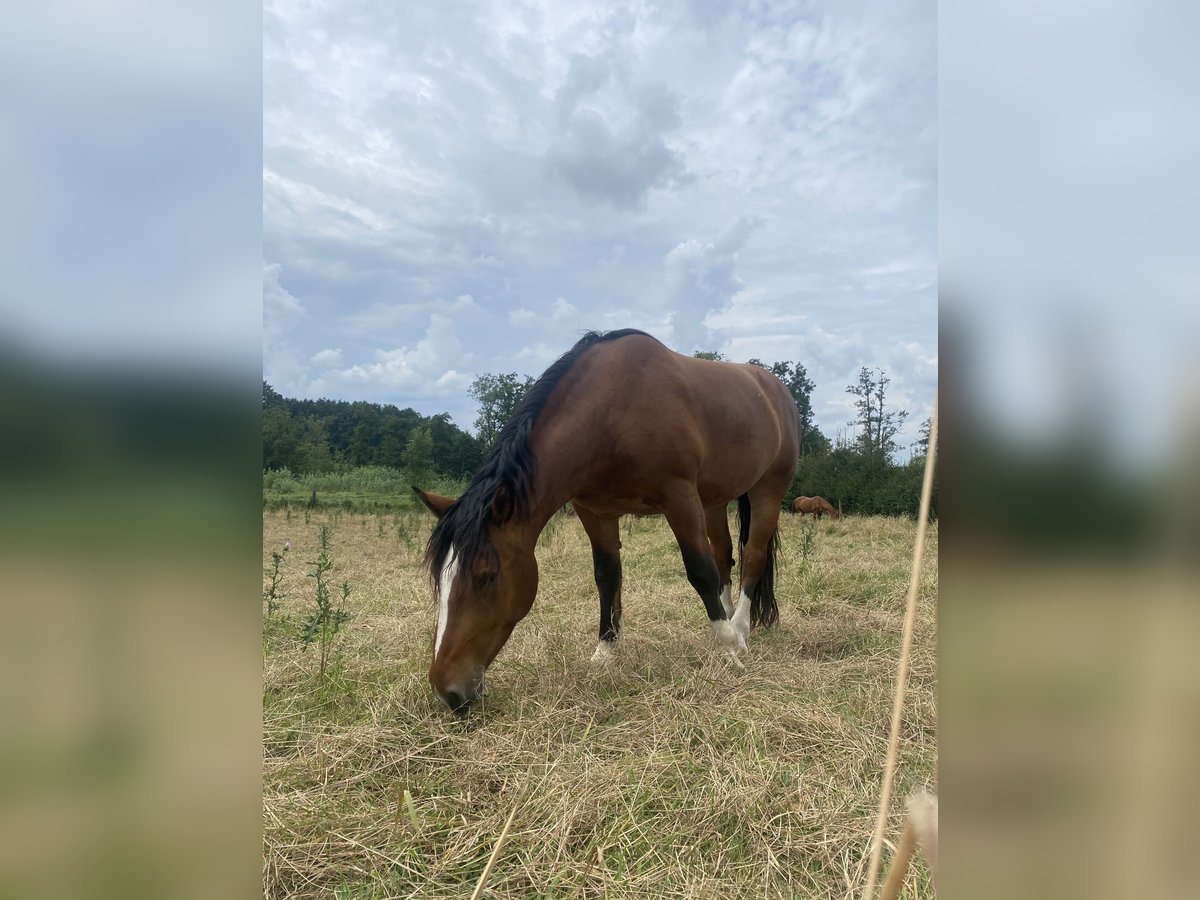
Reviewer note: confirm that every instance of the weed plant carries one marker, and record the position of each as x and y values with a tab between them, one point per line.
324	621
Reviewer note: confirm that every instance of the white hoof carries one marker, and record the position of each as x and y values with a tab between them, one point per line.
729	637
606	652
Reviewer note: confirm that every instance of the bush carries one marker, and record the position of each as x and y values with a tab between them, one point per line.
862	483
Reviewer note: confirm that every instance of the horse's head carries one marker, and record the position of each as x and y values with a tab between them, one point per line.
486	583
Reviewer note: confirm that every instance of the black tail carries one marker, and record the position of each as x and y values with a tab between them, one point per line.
764	610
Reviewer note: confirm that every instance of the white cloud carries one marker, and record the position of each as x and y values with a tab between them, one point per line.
381	319
760	182
561	310
522	317
702	280
539	356
281	310
328	357
418	368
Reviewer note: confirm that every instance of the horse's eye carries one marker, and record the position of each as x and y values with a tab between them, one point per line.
484	580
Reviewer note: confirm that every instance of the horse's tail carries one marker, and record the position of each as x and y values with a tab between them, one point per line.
764	610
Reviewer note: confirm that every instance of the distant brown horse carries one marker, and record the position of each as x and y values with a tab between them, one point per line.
818	506
619	424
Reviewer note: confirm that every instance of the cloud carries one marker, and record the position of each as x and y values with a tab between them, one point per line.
418	369
522	317
465	192
562	311
612	142
534	360
899	275
281	310
702	280
381	319
327	357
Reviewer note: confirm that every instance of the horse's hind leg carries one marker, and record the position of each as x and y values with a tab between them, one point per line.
686	517
604	533
757	560
716	523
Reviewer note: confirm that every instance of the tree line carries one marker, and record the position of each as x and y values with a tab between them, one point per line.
855	469
309	436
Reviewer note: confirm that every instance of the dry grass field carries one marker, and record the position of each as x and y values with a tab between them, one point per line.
669	774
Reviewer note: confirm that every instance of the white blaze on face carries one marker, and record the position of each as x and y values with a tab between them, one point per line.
445	583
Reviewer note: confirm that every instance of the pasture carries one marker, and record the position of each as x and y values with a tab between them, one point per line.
671	773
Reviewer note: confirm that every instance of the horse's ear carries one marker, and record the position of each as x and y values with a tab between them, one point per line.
502	505
435	503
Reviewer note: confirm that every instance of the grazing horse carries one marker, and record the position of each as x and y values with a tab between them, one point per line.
619	424
818	506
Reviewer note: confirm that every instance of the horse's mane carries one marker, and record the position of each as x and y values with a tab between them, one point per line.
510	464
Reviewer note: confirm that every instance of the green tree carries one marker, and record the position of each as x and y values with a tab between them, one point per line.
715	355
314	453
877	425
281	438
920	447
418	456
498	397
455	453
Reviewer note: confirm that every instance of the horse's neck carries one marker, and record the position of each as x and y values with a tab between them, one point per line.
547	499
555	482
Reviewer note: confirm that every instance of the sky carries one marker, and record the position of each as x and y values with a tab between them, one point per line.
453	189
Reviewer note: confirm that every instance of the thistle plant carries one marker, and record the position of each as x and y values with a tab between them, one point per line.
808	540
324	621
272	595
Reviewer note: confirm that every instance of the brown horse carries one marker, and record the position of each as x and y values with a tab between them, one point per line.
619	424
818	506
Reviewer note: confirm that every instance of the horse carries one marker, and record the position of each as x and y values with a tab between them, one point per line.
818	506
618	425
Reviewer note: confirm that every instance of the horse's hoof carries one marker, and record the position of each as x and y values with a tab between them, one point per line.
605	653
730	637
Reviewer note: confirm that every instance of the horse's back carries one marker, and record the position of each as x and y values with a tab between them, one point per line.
637	379
641	411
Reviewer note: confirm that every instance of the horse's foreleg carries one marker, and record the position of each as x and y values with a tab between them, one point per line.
686	517
716	523
604	533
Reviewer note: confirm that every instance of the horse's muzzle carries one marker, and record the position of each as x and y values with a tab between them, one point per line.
459	696
457	702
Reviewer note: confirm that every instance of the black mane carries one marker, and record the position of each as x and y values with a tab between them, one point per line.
510	464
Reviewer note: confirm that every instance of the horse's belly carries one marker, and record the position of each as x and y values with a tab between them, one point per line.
606	505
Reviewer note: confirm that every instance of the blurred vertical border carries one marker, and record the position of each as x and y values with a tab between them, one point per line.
130	330
1069	712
